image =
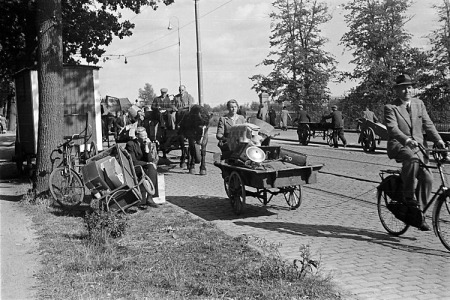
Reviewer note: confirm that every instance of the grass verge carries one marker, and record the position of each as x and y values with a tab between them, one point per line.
166	254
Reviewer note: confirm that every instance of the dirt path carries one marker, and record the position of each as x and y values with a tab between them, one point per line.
19	259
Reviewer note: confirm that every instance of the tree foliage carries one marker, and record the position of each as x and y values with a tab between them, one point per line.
147	94
380	48
88	27
301	68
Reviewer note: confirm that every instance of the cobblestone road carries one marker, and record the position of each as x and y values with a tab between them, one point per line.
337	218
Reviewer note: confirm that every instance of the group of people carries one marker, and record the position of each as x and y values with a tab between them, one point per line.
270	116
117	123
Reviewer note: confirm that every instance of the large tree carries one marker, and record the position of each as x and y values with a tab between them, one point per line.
301	68
50	79
435	79
380	47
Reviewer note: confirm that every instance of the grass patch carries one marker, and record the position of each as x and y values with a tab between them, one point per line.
166	254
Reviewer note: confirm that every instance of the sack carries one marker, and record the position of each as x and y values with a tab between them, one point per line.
392	186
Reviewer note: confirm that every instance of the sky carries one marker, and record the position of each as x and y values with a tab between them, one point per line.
234	39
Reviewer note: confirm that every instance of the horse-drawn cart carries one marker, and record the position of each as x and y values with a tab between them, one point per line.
281	173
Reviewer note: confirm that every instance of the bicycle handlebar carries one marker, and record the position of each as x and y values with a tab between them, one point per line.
69	140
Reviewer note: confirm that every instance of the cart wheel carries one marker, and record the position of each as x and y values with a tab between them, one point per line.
226	185
368	140
236	190
304	134
329	134
66	187
293	196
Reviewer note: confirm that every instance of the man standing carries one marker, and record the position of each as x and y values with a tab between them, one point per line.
406	121
272	116
370	115
183	99
337	123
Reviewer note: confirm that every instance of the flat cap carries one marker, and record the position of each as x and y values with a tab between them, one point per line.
164	90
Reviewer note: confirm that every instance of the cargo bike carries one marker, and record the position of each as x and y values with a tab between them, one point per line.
264	172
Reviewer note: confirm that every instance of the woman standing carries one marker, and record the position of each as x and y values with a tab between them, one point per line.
225	123
284	117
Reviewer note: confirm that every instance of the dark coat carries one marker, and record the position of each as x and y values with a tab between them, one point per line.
303	117
337	121
401	125
138	155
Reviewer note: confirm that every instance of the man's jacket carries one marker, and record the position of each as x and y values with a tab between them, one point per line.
401	125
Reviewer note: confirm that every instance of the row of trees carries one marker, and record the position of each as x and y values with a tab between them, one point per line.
380	47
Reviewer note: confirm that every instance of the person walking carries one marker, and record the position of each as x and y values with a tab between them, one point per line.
284	115
337	123
369	115
302	118
406	120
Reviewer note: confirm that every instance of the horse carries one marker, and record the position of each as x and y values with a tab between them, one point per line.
189	133
193	126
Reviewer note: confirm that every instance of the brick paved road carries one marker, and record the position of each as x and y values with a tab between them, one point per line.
337	219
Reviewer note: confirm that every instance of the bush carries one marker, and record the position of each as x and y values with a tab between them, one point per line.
103	225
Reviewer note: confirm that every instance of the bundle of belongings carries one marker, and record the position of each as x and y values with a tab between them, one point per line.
246	142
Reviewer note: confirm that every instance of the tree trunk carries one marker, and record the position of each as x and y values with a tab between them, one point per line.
50	79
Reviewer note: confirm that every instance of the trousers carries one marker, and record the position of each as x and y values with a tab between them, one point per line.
417	181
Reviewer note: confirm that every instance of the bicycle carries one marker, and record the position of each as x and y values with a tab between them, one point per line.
65	183
390	199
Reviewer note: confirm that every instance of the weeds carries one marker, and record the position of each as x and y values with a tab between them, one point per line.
102	225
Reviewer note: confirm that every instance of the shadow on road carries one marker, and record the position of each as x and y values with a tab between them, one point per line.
341	232
216	208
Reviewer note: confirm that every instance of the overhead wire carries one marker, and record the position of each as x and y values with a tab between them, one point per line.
127	54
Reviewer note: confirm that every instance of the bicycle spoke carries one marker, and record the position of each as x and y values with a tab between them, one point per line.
442	219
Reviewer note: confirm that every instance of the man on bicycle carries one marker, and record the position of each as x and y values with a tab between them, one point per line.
406	120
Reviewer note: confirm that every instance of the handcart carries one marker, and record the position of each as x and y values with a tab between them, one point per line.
313	129
111	178
371	134
280	172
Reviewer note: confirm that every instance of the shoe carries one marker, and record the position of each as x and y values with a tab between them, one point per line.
154	205
424	227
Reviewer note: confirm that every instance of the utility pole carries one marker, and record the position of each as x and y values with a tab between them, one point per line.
199	56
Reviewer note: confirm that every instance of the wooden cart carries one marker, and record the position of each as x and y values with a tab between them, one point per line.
279	174
371	134
312	129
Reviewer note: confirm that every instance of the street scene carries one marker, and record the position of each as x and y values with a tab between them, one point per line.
283	149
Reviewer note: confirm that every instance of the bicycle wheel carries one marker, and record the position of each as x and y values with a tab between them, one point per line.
392	225
441	219
66	187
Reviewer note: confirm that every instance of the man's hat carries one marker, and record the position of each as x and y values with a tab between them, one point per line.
403	79
164	90
300	106
334	107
